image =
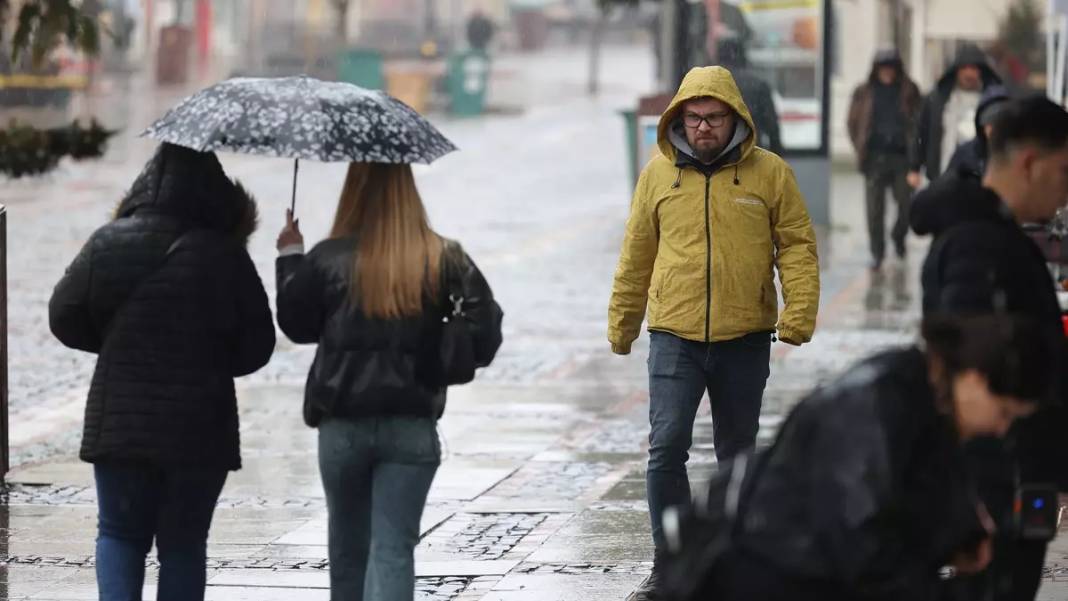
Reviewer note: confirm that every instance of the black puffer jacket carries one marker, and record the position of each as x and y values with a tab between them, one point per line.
980	257
369	367
168	297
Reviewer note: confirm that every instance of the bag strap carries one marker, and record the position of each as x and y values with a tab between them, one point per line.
170	250
451	282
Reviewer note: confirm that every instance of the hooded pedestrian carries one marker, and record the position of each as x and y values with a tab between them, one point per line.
948	116
882	127
713	214
168	298
372	296
970	157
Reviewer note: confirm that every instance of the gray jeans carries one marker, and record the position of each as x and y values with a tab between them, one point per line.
377	474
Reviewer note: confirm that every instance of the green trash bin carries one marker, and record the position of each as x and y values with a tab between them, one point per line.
467	81
362	67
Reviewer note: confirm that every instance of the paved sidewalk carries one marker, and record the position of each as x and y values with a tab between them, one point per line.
541	494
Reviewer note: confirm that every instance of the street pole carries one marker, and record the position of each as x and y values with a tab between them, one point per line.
711	33
5	458
431	20
596	38
668	41
149	24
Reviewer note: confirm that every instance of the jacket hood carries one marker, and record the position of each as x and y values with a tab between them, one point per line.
970	54
889	58
192	186
951	200
707	82
993	95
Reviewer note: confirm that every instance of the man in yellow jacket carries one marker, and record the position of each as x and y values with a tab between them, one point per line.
712	216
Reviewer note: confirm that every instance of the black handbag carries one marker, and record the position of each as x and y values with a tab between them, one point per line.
456	349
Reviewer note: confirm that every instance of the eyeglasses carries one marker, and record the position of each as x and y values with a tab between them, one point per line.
694	121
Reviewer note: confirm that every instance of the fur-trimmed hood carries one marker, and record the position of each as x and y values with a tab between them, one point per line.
193	187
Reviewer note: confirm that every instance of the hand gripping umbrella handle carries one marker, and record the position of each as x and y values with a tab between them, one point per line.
293	201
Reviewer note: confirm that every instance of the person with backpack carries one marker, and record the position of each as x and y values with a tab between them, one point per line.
373	297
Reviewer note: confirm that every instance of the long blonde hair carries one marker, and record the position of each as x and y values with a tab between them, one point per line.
397	255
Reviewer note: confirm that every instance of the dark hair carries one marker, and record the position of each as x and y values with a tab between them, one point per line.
1033	120
1011	350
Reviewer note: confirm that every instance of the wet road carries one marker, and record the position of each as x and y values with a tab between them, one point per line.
541	493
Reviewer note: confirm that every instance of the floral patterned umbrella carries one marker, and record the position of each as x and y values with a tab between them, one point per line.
301	118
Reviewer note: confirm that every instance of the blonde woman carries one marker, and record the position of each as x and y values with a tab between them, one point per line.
373	296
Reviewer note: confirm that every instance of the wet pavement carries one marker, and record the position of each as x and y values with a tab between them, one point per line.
541	493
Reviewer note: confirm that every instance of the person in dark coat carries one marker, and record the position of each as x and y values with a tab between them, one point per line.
864	494
168	298
756	93
980	252
882	127
970	157
947	118
372	297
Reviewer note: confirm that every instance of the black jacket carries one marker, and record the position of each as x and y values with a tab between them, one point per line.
979	255
927	146
756	93
863	495
168	297
369	367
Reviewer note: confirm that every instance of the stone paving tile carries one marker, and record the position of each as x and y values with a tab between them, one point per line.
563	587
479	536
547	480
80	586
640	568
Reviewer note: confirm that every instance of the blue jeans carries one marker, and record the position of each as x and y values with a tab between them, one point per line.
137	504
734	373
377	474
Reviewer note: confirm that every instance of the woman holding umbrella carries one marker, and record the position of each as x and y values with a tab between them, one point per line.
373	296
399	313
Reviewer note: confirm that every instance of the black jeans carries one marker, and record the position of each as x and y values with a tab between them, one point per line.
734	373
882	172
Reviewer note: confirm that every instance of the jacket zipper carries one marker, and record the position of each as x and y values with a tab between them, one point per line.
708	258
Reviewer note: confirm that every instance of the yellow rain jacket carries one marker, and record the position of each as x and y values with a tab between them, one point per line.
700	246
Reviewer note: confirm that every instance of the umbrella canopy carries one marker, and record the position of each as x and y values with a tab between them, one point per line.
301	118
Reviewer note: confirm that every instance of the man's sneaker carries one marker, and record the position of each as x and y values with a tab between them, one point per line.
875	265
650	589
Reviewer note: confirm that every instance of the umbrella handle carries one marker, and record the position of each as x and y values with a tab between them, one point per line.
293	201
